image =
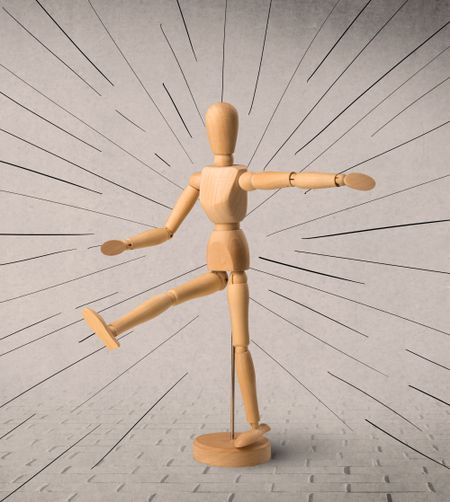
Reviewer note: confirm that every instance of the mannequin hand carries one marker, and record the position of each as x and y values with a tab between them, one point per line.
357	181
111	248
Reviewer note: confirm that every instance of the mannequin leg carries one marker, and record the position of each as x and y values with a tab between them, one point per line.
238	299
200	286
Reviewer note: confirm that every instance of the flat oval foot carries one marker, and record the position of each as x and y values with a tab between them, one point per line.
101	329
252	436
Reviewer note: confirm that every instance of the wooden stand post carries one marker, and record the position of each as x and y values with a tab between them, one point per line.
233	380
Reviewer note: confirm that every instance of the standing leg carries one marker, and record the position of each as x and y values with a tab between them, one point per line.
200	286
238	299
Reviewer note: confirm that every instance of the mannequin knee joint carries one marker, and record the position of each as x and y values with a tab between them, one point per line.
238	278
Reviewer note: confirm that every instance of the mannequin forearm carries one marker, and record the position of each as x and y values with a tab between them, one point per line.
148	238
317	180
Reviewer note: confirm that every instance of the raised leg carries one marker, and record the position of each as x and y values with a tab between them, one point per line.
200	286
238	299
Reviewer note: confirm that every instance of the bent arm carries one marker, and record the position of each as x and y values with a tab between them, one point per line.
155	236
271	180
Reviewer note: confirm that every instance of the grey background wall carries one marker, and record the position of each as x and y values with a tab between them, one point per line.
383	333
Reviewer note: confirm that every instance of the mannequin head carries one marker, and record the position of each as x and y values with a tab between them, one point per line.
222	124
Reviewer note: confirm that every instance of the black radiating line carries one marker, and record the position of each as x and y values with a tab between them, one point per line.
336	80
319	313
142	417
30	325
50	176
41	235
357	302
87	171
376	106
430	395
141	293
360	204
329	88
76	207
374	229
130	121
409	106
96	300
375	399
187	31
302	384
338	40
160	158
140	82
70	280
426	359
317	338
128	153
48	121
17	426
50	463
36	257
309	270
86	337
39	338
182	73
262	56
395	147
177	110
290	80
406	444
352	300
73	43
223	50
263	202
371	86
374	262
56	373
92	129
133	365
51	52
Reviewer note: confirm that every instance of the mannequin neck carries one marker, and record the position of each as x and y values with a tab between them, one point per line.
223	160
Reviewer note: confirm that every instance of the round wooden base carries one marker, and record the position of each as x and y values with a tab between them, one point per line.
219	450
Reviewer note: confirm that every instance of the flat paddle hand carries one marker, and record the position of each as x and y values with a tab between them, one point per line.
359	181
111	248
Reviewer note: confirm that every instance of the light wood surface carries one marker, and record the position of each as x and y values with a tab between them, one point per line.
219	450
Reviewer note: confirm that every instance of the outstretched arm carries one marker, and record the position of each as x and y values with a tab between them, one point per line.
156	236
271	180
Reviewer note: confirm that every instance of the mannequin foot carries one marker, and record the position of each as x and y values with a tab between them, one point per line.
101	329
249	437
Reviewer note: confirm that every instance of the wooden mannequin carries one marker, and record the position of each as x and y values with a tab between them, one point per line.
222	189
